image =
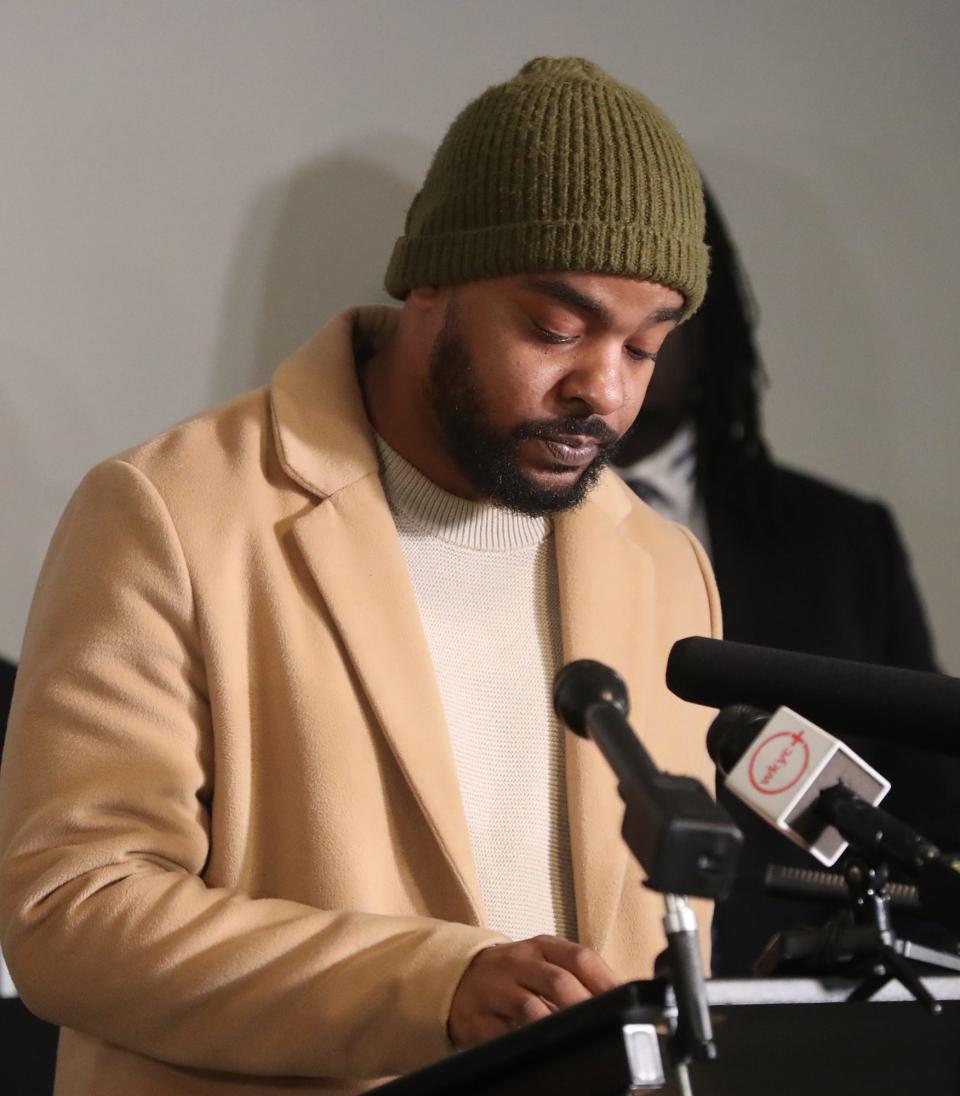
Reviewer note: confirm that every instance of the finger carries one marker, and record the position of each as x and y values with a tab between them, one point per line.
521	1009
524	1007
555	984
589	968
480	1028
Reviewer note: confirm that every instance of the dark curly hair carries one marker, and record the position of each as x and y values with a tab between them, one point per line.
733	462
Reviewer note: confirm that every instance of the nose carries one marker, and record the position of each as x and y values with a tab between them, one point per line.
597	384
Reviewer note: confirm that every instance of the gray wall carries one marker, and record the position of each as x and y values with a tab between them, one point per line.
190	187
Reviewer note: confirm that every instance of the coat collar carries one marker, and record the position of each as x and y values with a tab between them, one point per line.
323	437
325	443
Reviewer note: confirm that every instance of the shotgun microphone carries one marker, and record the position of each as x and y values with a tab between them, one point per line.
905	707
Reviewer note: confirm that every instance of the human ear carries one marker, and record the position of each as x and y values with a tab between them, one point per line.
424	298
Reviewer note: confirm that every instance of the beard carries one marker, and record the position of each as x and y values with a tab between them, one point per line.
489	458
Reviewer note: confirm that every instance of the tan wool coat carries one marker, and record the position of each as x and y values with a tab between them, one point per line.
234	855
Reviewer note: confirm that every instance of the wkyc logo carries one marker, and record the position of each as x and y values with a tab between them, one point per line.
779	762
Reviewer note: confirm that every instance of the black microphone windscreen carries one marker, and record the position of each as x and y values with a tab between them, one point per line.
582	683
906	707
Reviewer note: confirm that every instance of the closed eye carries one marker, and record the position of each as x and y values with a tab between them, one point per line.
552	336
640	355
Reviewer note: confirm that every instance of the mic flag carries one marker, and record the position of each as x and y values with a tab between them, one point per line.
816	791
778	765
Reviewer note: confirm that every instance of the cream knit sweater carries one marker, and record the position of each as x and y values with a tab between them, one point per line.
486	585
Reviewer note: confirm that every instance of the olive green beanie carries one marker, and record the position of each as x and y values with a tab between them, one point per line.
560	168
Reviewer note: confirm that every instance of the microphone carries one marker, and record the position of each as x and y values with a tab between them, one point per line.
685	843
812	787
781	765
905	707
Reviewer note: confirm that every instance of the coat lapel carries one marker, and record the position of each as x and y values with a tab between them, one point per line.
351	547
606	588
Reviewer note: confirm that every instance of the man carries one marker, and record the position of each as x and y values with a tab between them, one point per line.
800	564
282	765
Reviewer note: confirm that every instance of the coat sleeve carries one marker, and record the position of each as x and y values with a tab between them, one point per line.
106	793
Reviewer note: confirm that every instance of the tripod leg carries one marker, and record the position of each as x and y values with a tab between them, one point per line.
894	966
869	986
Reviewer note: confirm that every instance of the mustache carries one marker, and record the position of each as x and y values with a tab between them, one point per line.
589	426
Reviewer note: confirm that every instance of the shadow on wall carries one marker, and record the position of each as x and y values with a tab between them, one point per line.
34	484
313	245
784	229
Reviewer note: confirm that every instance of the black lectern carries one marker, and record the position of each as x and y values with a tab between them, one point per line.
776	1035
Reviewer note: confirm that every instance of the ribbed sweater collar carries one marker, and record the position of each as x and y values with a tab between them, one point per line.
477	525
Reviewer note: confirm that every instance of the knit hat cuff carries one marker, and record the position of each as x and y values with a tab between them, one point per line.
629	250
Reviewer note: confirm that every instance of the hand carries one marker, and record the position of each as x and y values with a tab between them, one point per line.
509	985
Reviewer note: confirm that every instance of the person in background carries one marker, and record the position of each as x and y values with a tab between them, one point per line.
801	564
29	1044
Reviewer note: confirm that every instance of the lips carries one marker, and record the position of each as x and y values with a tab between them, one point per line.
571	452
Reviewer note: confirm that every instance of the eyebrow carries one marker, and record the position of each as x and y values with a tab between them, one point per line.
565	293
664	315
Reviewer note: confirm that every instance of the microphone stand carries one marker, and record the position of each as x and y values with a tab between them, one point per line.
864	932
861	936
692	1035
685	843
